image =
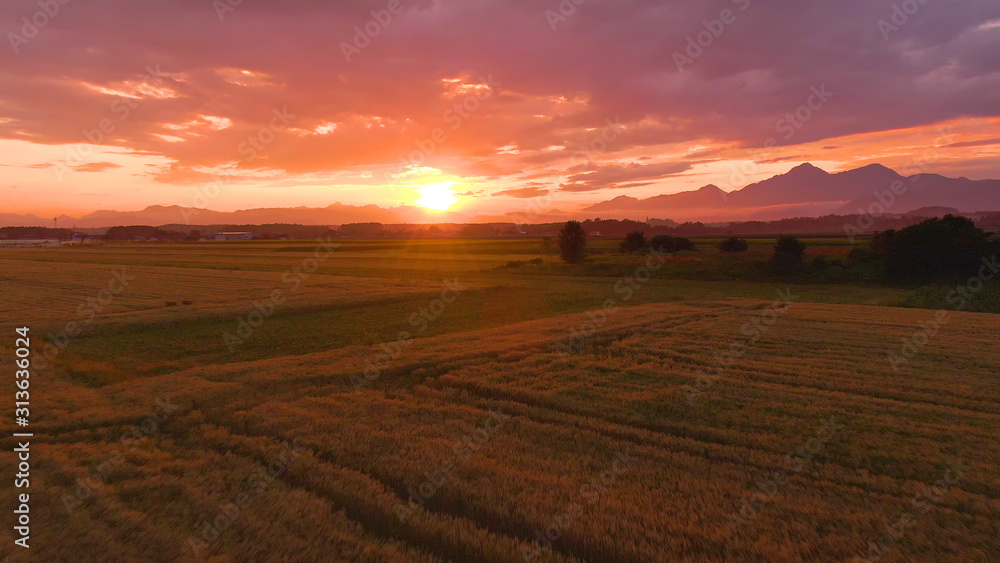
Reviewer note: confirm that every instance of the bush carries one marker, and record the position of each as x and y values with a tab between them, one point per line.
789	254
859	256
733	244
519	263
933	247
668	244
634	242
572	242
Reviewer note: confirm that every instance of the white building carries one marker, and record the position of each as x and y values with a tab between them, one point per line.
28	242
231	235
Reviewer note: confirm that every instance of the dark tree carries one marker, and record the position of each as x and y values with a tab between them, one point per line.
789	253
669	244
572	241
936	246
733	244
634	242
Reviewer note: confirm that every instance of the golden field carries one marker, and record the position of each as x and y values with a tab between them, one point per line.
693	421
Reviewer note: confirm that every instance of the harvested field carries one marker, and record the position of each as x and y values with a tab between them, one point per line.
642	444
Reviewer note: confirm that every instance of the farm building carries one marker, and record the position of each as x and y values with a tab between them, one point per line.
232	235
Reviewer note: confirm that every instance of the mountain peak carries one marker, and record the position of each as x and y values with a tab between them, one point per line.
807	168
874	166
871	171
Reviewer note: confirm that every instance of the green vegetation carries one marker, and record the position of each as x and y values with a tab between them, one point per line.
952	245
789	255
669	245
733	245
634	242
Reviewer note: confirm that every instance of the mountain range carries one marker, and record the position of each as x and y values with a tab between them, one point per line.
804	191
335	214
808	191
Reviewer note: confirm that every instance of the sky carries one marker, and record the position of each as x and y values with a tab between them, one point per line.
483	107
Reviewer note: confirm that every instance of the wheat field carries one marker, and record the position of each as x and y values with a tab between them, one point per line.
697	428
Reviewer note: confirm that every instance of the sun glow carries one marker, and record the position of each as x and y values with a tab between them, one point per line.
438	197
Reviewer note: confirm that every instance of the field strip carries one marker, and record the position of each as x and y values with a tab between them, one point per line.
736	454
374	518
154	286
502	525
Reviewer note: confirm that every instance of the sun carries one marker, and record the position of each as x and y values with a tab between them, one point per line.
437	197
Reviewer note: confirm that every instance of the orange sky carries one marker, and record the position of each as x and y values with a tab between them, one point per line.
113	106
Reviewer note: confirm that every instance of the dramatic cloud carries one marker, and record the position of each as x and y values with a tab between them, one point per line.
979	143
96	166
524	193
610	176
487	93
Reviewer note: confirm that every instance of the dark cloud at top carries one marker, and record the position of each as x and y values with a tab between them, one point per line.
556	88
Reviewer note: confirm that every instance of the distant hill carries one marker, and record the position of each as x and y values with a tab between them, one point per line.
936	211
335	214
706	198
29	220
806	191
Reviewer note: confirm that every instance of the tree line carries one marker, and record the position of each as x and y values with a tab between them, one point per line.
927	251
